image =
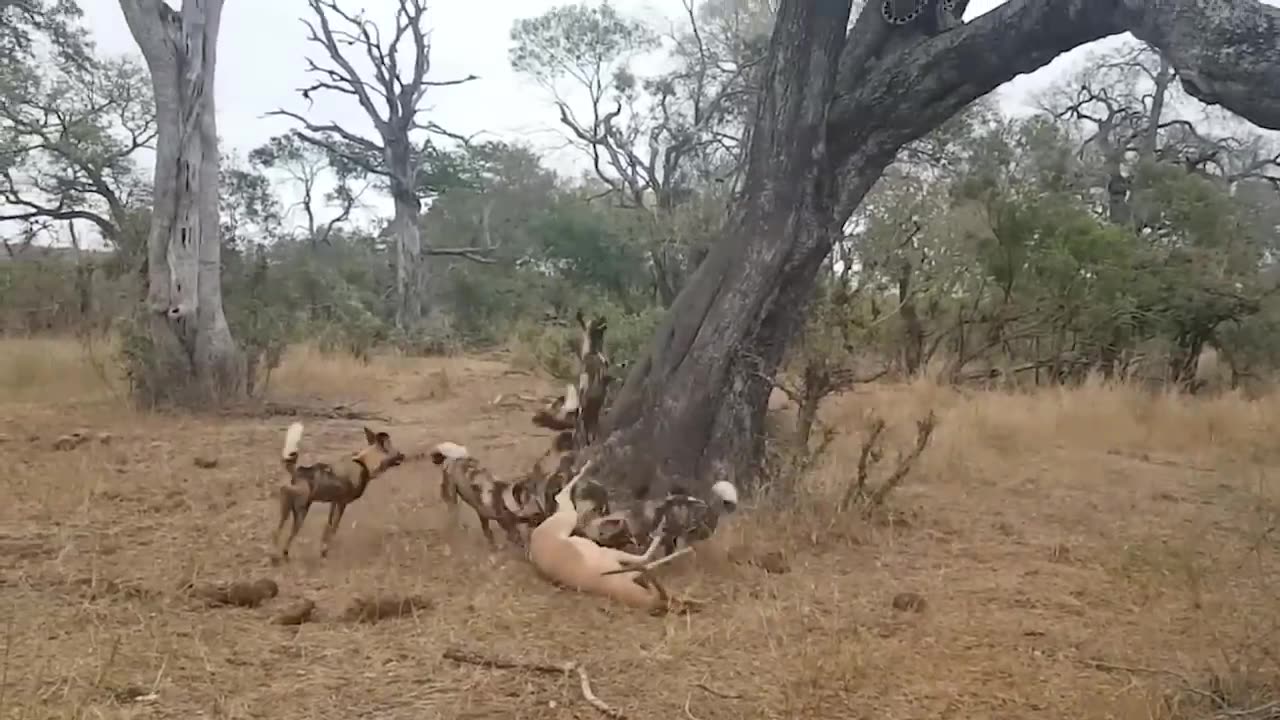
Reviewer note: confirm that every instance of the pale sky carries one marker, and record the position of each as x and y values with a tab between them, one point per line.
263	43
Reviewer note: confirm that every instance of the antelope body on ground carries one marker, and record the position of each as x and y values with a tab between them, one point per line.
581	564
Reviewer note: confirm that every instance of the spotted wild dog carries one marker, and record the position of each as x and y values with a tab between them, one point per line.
683	519
593	378
581	564
510	504
590	497
338	484
522	503
561	413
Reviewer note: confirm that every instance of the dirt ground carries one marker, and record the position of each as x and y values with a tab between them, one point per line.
1095	553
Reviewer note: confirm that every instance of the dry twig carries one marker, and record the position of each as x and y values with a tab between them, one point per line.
718	693
1186	683
871	453
473	658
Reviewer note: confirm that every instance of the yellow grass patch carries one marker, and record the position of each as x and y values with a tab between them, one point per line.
1091	553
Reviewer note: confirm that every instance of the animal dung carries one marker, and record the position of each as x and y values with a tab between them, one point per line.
371	610
773	562
295	613
909	602
240	593
70	441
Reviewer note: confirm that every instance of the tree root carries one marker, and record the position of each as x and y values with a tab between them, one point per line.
474	658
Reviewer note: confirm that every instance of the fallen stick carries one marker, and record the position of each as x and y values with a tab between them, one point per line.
473	658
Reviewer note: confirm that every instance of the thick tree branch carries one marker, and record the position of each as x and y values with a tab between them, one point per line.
1226	53
474	254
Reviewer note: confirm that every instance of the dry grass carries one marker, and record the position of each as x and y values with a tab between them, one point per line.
1047	533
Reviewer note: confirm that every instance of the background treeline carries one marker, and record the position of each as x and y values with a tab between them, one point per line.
1121	228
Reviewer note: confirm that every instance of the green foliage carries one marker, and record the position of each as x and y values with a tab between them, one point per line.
69	136
994	241
583	41
552	347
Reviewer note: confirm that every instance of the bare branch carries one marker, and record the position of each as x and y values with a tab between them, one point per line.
474	254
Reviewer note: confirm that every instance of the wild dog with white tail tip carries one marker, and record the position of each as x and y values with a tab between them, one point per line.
510	504
561	413
675	520
338	484
582	564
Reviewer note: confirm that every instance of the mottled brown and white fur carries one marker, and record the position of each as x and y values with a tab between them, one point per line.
593	379
510	504
561	413
338	484
581	564
682	518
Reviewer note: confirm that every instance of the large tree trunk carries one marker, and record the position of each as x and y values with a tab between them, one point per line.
194	359
832	115
410	270
699	399
411	274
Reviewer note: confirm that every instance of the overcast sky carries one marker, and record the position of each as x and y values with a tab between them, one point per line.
263	43
261	64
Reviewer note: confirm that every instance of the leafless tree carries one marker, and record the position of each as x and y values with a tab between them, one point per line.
392	98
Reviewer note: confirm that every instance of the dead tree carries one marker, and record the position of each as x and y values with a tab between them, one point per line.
392	98
192	355
838	103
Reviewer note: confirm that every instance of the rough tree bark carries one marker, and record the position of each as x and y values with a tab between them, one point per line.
195	359
832	115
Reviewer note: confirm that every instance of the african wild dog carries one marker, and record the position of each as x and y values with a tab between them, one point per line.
561	413
510	504
683	519
582	564
526	501
593	378
338	484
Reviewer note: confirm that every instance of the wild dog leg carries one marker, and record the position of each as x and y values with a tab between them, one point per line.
299	508
286	505
488	533
513	534
335	520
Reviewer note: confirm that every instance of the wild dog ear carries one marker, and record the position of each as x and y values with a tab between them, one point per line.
370	436
520	494
383	441
582	322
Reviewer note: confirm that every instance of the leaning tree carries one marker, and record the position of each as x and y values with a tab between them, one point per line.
187	353
836	105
